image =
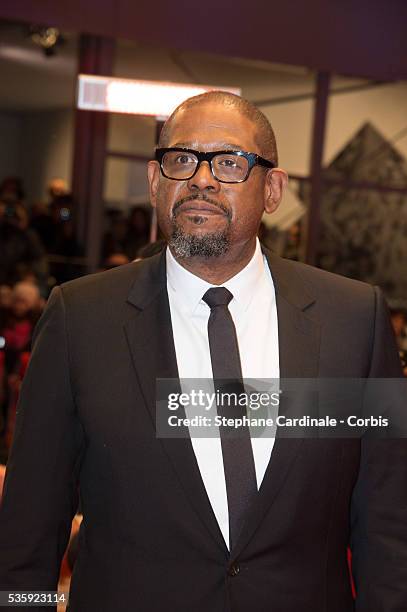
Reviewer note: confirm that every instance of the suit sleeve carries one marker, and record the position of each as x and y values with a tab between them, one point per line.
40	494
379	504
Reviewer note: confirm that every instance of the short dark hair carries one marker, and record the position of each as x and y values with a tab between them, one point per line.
265	137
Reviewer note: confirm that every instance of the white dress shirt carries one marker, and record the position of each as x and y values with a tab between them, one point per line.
254	312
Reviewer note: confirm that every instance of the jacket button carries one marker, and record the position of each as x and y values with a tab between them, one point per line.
233	569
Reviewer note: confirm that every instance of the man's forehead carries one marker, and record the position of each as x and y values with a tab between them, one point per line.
208	125
220	145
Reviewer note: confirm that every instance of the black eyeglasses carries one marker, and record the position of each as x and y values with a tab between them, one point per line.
226	166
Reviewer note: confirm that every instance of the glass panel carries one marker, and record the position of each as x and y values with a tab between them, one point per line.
125	183
132	134
364	204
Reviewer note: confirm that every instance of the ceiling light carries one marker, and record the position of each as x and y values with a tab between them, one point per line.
156	98
48	38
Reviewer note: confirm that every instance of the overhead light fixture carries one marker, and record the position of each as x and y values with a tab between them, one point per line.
48	38
156	98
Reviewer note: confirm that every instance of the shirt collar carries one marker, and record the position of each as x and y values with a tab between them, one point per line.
190	288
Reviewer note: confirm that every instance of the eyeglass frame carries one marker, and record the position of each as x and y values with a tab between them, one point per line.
252	158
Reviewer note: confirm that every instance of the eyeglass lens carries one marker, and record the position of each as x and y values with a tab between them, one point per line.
225	166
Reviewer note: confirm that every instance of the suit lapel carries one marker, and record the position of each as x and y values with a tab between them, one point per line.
150	339
298	325
299	338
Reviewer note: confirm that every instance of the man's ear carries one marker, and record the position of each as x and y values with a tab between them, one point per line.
276	181
153	173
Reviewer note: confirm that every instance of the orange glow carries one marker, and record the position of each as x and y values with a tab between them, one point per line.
136	97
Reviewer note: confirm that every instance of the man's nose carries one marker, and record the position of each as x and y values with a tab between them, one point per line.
204	179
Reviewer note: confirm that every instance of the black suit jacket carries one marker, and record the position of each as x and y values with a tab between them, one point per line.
149	541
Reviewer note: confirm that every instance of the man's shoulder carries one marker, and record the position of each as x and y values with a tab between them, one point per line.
111	285
321	279
100	282
328	289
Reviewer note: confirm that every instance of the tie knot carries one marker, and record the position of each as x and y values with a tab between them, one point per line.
217	296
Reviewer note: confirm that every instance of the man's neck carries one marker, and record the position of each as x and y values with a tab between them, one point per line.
218	270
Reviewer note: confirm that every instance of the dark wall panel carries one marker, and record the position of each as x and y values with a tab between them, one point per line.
361	38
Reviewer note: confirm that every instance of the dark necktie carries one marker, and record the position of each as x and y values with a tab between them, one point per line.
238	460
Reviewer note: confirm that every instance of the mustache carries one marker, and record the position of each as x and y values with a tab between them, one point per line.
201	198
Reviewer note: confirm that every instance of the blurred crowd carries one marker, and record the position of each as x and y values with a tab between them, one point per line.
39	248
399	324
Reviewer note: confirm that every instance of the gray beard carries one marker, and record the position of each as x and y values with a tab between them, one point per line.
187	245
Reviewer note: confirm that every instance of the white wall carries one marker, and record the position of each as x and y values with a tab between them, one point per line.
292	124
384	106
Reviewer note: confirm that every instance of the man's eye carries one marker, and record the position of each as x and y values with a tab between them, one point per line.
184	159
229	162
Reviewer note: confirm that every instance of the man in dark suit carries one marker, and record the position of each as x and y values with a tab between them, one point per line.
160	531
